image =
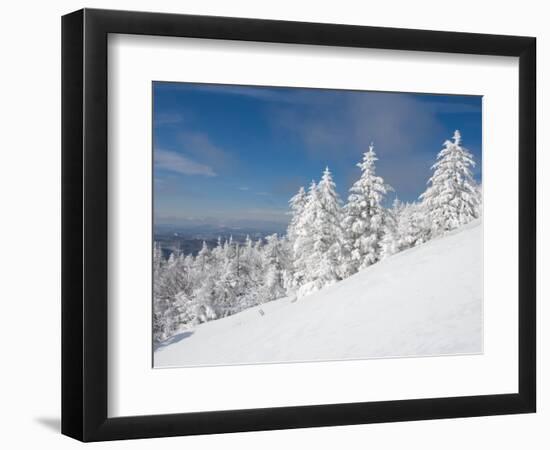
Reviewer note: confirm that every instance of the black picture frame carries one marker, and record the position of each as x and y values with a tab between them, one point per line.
84	224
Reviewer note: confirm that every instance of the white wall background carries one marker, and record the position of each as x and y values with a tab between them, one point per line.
30	225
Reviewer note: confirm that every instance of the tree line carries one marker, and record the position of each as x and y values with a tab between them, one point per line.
326	241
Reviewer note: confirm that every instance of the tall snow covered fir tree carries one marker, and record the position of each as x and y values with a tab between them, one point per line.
364	215
304	241
297	204
318	243
452	199
328	234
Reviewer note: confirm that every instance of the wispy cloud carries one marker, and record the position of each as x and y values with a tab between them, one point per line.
394	122
200	146
176	162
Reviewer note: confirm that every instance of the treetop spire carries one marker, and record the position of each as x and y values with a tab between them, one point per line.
457	138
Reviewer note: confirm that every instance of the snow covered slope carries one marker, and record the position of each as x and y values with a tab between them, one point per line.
423	301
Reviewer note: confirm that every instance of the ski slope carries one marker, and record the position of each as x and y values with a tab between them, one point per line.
424	301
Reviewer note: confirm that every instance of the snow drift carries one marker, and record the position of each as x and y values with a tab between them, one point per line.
423	301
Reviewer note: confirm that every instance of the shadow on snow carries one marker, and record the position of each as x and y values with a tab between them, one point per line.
172	340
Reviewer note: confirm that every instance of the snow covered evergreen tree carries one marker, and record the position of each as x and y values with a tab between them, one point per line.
303	248
171	278
390	243
479	210
250	274
364	215
297	204
205	299
274	261
328	233
203	259
452	199
319	244
206	272
413	225
227	283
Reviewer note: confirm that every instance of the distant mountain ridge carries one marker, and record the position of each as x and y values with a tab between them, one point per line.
188	239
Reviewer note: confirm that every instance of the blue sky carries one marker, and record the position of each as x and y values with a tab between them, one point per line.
236	154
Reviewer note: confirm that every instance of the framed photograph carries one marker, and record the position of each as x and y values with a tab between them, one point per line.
273	224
